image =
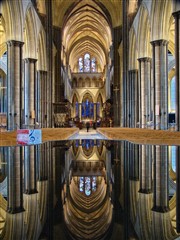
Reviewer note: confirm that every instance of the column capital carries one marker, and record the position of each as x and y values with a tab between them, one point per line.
159	42
30	60
144	59
14	43
145	191
160	209
133	71
176	14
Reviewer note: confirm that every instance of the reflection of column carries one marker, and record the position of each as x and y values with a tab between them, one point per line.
161	180
146	169
145	84
160	82
29	90
178	189
177	59
14	81
134	162
30	185
15	191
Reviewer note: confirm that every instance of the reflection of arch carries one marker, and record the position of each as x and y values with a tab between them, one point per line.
87	147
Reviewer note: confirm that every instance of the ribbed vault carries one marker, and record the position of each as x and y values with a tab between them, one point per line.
88	217
87	29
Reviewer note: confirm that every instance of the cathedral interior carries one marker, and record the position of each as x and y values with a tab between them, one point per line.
112	64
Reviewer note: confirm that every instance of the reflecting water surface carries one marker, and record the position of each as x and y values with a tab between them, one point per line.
88	189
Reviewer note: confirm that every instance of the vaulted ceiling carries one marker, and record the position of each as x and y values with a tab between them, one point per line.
86	27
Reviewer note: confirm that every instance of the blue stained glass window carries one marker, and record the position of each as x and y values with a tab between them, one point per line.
173	158
93	65
87	186
173	94
77	109
81	184
87	64
81	64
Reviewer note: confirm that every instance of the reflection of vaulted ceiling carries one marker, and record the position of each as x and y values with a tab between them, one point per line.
88	217
87	29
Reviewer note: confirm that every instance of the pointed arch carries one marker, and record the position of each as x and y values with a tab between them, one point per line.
13	16
144	47
133	55
42	64
30	34
160	13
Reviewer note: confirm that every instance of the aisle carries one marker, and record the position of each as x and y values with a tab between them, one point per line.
83	134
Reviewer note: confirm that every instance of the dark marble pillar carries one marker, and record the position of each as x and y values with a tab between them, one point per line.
14	182
161	179
160	82
14	83
177	66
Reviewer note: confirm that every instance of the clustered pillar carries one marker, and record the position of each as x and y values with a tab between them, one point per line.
160	82
14	83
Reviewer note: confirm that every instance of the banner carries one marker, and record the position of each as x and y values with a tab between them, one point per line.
29	136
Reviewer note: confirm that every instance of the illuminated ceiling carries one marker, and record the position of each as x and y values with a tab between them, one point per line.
86	27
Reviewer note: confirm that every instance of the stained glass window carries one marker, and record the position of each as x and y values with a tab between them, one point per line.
87	109
173	158
77	109
173	94
93	65
81	184
80	64
87	64
87	185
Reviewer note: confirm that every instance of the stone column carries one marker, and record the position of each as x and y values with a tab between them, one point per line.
15	185
145	90
160	82
161	179
40	98
29	91
133	98
125	59
59	92
177	66
30	185
49	48
146	169
14	82
116	83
